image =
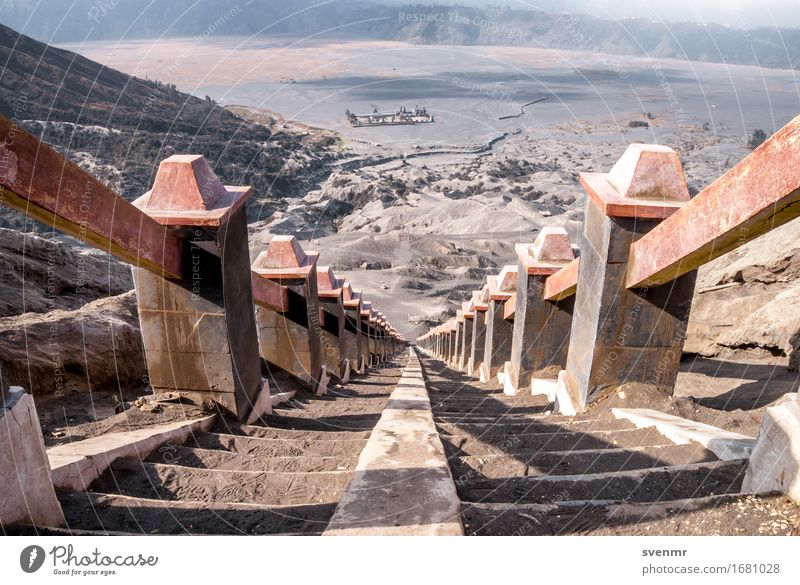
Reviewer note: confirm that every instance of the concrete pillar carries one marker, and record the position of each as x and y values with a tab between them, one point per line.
499	331
27	494
478	332
199	332
458	336
466	338
381	323
541	328
375	339
366	311
372	335
775	463
331	302
355	338
290	340
620	335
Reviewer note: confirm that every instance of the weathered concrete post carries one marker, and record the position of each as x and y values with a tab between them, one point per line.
480	299
620	335
366	331
382	336
369	323
459	340
541	327
331	302
376	337
452	328
290	341
466	339
199	331
355	337
26	490
499	331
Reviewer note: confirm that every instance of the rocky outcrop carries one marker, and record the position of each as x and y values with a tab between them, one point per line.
119	127
97	347
747	302
41	274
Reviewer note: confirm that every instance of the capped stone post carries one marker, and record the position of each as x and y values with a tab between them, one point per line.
620	335
355	338
541	327
458	324
290	340
499	331
480	300
369	327
199	331
468	312
331	302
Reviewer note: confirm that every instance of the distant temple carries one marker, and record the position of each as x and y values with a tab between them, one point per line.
402	116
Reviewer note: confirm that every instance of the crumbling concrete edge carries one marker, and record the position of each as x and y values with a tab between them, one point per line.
775	463
75	466
402	484
726	445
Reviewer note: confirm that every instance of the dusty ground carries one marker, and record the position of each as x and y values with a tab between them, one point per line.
80	415
521	470
730	516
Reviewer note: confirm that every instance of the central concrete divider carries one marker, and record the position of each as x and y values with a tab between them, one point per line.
402	484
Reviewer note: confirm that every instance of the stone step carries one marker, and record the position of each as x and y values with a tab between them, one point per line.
563	440
512	416
353	404
577	462
480	403
263	432
496	412
73	466
228	461
95	512
262	448
460	400
335	423
175	482
513	427
647	485
459	394
595	516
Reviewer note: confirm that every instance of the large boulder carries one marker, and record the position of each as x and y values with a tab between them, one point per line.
747	302
41	274
98	346
775	463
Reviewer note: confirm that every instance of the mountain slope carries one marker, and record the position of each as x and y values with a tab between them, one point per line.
119	127
84	20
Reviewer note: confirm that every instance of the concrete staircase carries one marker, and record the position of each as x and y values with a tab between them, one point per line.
520	470
284	475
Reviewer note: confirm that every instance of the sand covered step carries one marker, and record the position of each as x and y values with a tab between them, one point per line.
578	462
264	432
533	425
334	423
101	512
648	485
348	403
487	410
561	440
174	482
457	393
261	448
228	461
730	514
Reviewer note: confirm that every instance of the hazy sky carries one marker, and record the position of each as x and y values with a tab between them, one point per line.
735	13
